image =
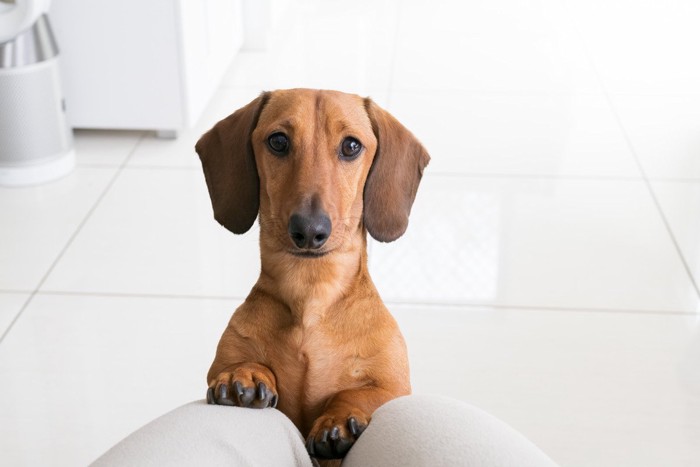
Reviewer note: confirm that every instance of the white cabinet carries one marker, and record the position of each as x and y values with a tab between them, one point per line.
135	64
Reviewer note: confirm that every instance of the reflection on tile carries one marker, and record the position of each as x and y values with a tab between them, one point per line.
664	131
154	233
76	382
10	304
680	202
518	18
38	221
530	242
641	47
453	46
518	135
104	148
603	389
341	45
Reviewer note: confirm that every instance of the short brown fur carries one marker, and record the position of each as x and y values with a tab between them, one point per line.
313	329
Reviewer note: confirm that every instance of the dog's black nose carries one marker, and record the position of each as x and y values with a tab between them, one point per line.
309	231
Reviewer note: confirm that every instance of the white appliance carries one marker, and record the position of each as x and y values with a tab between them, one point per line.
145	65
36	142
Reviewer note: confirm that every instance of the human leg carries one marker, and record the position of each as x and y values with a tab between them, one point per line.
416	431
201	434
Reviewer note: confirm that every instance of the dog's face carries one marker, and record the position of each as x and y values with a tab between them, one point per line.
318	166
313	152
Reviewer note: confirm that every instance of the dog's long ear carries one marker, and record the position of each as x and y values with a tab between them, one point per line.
229	167
394	176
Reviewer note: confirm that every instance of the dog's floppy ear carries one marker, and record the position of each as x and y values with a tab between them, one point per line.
394	176
229	167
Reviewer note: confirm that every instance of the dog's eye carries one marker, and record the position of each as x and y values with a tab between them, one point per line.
279	143
350	148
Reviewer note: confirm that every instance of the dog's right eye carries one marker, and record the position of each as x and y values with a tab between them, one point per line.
278	143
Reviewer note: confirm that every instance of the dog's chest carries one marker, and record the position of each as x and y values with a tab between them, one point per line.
312	366
323	359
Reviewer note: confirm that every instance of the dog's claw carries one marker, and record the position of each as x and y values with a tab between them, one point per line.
262	391
322	448
273	402
310	446
246	396
355	428
239	388
223	396
335	433
210	396
352	425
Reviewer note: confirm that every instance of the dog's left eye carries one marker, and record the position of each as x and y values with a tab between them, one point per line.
350	148
279	143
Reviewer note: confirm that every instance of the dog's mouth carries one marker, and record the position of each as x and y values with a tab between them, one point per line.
308	253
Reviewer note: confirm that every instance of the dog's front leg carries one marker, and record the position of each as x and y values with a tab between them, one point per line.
346	416
244	385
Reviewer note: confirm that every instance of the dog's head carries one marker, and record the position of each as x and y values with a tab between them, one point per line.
317	165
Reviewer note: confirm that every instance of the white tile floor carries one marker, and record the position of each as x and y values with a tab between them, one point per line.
550	273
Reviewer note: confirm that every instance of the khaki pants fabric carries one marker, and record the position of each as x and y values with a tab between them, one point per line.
411	431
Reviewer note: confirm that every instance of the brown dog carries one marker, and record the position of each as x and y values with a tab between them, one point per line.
313	338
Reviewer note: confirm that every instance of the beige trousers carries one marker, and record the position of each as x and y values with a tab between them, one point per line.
411	431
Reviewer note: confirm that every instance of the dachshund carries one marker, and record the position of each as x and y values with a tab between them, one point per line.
313	338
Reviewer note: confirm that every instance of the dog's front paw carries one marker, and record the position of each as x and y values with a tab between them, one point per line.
332	436
247	385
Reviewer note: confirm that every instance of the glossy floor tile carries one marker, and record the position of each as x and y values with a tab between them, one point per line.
10	306
536	243
517	135
680	202
80	373
542	66
38	221
154	233
440	48
104	148
663	130
333	45
641	47
546	18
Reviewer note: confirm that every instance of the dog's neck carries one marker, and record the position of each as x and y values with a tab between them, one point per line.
312	286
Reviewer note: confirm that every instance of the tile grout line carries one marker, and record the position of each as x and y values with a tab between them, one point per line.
534	176
141	295
630	146
15	291
652	193
388	302
72	238
656	202
504	307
